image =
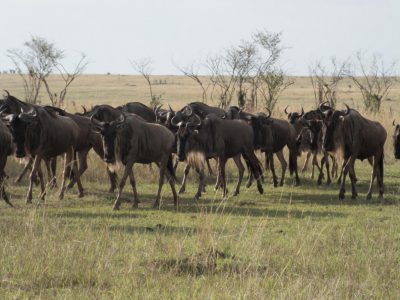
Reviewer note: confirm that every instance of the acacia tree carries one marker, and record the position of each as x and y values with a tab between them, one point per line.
373	78
325	83
34	63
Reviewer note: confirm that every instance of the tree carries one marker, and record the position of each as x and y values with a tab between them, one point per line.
325	83
192	72
144	68
33	63
58	99
373	78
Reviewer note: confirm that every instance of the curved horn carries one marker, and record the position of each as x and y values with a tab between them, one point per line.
121	120
84	109
198	123
285	110
170	109
394	123
347	110
269	113
174	120
302	112
188	111
96	123
322	105
8	94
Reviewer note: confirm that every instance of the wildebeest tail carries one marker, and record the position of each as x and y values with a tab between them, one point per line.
170	167
254	163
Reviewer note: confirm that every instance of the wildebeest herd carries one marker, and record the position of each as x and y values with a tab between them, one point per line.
135	133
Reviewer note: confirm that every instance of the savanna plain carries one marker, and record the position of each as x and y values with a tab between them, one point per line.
290	242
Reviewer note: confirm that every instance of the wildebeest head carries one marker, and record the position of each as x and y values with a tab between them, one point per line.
19	125
187	127
233	112
312	128
261	124
164	116
12	105
332	120
294	117
108	131
396	138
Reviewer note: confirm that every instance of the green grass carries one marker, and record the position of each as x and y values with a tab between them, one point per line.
291	242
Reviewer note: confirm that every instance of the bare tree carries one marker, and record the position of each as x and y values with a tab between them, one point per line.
373	78
144	68
58	100
34	63
192	71
325	83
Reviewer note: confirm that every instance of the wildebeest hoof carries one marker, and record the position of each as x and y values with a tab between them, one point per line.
260	189
81	195
235	193
354	196
28	200
328	182
111	190
181	190
341	196
156	204
369	196
280	183
135	205
61	196
116	207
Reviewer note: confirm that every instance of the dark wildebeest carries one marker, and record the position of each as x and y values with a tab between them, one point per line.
12	105
357	138
215	137
87	140
43	134
139	109
396	140
129	140
274	135
6	149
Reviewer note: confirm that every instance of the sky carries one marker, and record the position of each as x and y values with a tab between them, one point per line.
112	33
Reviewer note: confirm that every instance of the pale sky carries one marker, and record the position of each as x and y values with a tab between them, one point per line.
111	33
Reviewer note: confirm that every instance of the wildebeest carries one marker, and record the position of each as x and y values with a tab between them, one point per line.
139	109
274	135
6	149
129	140
43	134
357	138
396	140
12	105
86	140
220	138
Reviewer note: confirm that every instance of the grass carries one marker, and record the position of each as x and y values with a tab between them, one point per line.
291	242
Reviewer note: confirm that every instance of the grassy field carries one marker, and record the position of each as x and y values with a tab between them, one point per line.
291	242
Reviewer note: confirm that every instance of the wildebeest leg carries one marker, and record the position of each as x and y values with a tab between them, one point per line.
27	167
68	156
210	171
272	168
53	166
253	162
42	185
3	193
183	184
334	170
240	167
82	158
283	162
201	184
32	178
171	181
163	166
176	163
315	163
374	174
328	174
379	159
113	180
127	170
135	201
221	167
78	178
250	175
305	166
348	167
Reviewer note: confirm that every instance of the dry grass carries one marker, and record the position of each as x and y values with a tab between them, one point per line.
291	242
